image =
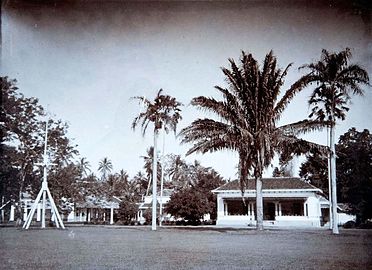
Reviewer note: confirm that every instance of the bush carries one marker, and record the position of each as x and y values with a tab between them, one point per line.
181	222
209	222
366	225
349	225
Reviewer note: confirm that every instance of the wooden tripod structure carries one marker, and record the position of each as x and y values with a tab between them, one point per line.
44	192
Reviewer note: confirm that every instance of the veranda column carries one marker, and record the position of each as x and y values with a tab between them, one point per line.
112	215
225	209
220	207
12	210
276	209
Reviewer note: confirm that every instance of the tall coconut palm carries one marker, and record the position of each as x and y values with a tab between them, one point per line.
336	80
163	112
105	167
84	167
177	171
249	115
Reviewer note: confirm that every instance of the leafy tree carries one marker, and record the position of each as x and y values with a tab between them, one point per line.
163	112
128	209
203	180
190	204
105	167
249	113
23	129
314	170
336	80
63	185
9	188
354	170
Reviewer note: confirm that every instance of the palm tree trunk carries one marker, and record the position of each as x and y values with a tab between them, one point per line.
162	180
333	180
329	181
154	179
259	203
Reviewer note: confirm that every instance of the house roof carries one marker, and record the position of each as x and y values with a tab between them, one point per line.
94	202
270	183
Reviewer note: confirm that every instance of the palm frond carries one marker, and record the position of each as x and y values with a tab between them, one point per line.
303	127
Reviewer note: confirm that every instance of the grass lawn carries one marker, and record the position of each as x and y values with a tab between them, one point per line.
183	248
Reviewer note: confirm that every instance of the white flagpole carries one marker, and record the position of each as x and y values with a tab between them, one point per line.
44	192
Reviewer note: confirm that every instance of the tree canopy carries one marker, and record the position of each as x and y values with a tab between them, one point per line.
354	171
192	202
23	127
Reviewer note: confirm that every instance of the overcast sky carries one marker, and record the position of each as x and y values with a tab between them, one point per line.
85	60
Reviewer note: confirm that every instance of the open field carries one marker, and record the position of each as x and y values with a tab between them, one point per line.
186	248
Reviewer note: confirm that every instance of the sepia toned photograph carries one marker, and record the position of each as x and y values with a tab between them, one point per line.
186	134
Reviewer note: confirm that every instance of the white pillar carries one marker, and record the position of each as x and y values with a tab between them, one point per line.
12	210
276	209
38	212
112	215
252	211
141	216
88	210
220	207
104	215
225	210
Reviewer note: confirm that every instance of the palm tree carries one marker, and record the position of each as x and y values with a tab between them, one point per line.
249	113
163	112
336	80
177	171
84	167
139	184
105	167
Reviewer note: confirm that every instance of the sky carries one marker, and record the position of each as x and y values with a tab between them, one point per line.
84	60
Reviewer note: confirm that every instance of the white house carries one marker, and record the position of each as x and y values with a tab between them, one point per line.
94	209
288	201
147	204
